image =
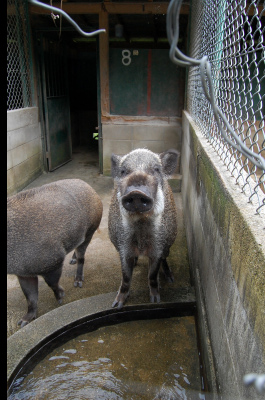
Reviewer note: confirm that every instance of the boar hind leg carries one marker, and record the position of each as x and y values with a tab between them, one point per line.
167	271
123	293
73	259
79	256
29	286
154	266
52	279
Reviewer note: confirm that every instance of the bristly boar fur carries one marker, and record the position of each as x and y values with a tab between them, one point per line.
142	215
43	225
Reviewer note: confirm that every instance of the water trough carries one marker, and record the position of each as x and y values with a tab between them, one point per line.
29	346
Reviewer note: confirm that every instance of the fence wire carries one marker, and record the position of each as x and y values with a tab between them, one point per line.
231	35
19	64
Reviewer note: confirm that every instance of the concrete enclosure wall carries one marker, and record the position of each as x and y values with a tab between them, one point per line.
121	138
226	245
24	148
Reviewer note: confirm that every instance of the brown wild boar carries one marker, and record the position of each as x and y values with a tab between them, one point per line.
142	215
43	225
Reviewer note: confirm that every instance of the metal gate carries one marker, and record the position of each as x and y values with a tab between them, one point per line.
55	101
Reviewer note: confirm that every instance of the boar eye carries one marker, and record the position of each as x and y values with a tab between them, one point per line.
157	169
123	171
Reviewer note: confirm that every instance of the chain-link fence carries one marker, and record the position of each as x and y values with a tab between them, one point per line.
19	64
231	34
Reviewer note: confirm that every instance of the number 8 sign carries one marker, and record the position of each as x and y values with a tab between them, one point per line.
126	57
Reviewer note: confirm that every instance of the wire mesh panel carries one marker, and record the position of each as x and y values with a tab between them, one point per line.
231	34
19	90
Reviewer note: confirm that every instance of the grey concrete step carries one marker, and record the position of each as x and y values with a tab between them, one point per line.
175	182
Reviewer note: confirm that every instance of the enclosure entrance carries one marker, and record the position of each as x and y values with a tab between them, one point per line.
69	95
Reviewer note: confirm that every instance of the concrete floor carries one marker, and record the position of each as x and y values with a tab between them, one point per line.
102	269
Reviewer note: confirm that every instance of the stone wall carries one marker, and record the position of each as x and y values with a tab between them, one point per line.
24	148
226	243
121	138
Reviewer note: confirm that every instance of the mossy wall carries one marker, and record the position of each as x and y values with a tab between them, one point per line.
226	242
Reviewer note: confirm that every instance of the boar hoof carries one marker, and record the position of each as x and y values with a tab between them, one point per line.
155	298
59	295
120	300
119	304
72	261
22	323
60	300
26	320
170	279
78	281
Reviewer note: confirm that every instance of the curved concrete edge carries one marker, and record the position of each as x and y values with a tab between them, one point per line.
30	336
21	345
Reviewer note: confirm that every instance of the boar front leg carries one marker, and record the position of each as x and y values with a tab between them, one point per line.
29	286
127	270
154	265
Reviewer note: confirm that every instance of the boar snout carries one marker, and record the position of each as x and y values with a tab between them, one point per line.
137	199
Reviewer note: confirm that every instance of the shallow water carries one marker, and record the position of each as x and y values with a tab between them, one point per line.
137	360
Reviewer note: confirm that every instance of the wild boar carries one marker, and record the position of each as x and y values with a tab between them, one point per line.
43	225
142	216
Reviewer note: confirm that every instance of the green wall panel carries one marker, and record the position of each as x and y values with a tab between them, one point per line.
145	82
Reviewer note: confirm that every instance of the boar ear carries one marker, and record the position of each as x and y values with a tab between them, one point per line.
169	161
115	161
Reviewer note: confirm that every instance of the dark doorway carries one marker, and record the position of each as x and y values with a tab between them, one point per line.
80	84
82	72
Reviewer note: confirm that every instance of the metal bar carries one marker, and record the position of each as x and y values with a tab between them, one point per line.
67	17
100	138
115	8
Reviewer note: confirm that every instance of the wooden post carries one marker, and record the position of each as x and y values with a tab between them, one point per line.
104	62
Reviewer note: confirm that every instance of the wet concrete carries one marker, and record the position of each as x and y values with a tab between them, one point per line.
102	269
